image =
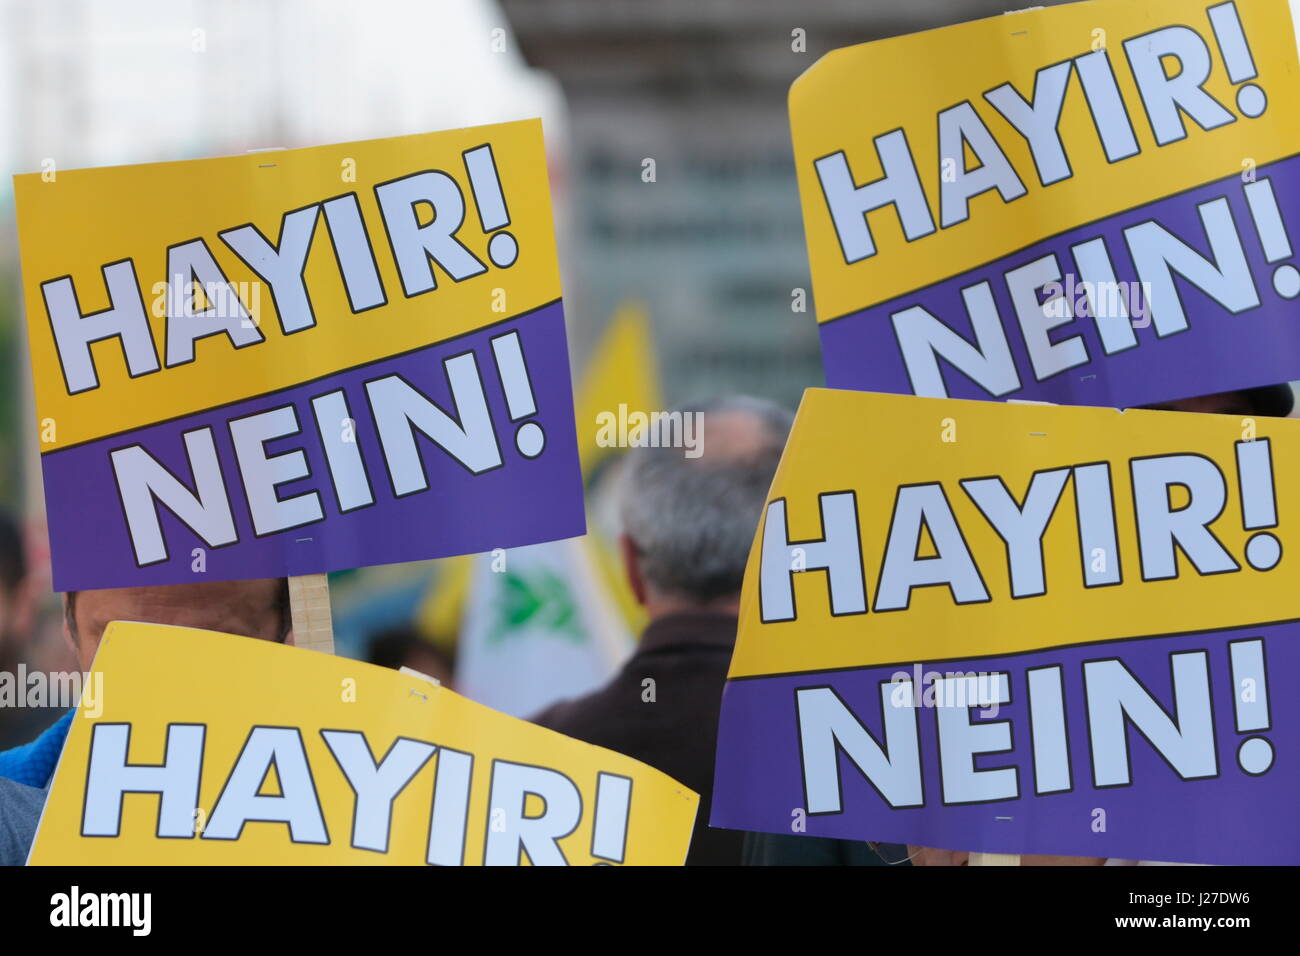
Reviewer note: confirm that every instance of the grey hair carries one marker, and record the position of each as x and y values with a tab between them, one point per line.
692	520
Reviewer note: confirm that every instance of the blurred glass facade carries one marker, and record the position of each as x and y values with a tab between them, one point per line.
714	245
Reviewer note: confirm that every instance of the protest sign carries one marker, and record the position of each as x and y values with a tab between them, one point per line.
215	749
299	361
1095	203
1021	629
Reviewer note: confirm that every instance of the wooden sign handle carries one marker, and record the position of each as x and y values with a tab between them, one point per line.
992	859
309	605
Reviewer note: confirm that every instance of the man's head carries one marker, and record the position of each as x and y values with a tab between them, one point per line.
249	608
1268	400
688	522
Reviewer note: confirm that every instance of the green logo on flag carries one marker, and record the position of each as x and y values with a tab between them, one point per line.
537	598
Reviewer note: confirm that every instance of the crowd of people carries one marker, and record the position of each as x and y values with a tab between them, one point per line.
687	523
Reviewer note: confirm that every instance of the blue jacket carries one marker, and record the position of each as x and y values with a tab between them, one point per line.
34	763
20	811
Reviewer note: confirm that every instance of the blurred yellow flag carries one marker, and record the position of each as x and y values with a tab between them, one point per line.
621	370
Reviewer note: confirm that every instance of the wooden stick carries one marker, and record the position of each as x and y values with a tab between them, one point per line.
989	859
309	605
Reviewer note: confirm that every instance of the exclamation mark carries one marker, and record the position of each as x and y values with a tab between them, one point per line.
529	437
609	823
484	182
1250	703
1258	502
1236	57
1272	236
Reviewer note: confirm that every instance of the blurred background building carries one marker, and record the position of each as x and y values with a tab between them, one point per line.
693	93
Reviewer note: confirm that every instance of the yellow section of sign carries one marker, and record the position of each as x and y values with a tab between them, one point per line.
73	223
855	94
874	446
255	772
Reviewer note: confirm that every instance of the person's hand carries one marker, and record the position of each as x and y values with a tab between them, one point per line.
928	856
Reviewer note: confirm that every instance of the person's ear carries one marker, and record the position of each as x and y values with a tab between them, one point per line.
632	567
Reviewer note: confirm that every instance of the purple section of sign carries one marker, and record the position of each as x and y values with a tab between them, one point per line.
1219	351
1232	817
525	501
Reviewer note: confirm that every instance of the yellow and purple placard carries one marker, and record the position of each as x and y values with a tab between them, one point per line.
299	361
318	760
1022	629
1095	204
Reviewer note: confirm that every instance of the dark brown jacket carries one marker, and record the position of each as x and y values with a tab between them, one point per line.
670	724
